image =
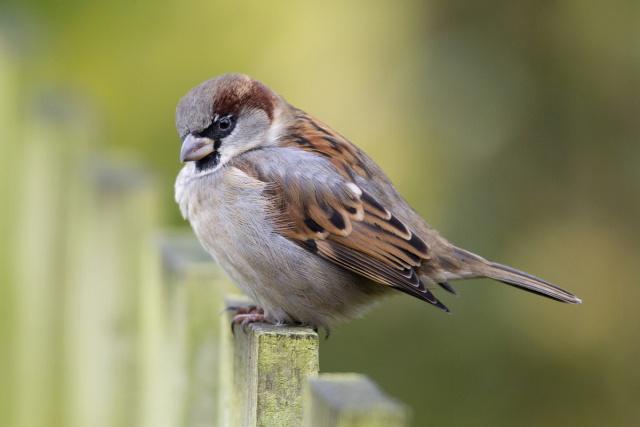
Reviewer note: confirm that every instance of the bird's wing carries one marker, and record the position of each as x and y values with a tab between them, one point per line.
310	134
332	217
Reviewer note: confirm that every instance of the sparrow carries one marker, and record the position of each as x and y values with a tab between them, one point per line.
302	220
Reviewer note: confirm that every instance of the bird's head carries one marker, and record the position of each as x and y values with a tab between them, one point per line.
224	117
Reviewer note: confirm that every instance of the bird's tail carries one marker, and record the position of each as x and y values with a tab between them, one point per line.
510	276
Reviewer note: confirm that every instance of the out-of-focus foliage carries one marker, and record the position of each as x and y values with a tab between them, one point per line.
513	127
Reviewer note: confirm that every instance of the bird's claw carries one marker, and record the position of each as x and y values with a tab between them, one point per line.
246	315
245	309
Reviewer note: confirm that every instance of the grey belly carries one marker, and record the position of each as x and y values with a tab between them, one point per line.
290	283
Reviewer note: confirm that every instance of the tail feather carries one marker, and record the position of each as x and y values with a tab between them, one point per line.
527	282
517	278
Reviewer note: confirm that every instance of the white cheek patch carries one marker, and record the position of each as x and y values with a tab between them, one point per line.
252	130
228	152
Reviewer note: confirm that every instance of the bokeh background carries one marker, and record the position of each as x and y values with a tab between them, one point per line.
513	127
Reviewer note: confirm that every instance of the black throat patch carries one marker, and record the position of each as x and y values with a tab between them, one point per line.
211	160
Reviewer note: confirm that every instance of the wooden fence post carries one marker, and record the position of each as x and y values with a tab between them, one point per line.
226	411
350	400
8	195
47	152
270	367
112	218
186	325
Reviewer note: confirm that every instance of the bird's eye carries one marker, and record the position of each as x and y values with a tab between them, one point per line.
219	128
224	123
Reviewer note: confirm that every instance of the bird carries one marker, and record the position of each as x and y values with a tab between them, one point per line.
302	220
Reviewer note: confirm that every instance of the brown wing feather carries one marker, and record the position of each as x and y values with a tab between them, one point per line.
312	135
389	254
339	221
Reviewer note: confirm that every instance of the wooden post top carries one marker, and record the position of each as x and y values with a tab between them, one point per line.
350	400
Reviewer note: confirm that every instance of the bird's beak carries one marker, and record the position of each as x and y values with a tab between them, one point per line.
195	148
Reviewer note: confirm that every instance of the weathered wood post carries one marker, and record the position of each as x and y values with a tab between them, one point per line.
47	152
184	327
350	400
226	413
113	214
270	367
8	195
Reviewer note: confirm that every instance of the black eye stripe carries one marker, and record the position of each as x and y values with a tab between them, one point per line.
220	127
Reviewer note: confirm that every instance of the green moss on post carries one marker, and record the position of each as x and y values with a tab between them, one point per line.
270	367
350	400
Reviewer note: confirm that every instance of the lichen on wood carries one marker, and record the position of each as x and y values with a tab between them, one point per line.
271	365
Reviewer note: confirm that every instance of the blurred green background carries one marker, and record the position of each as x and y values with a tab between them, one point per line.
513	127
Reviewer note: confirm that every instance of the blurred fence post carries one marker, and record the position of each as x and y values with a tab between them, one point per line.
270	367
226	411
350	400
114	215
180	335
8	131
45	177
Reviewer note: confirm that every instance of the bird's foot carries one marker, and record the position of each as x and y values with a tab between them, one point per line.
245	309
247	315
